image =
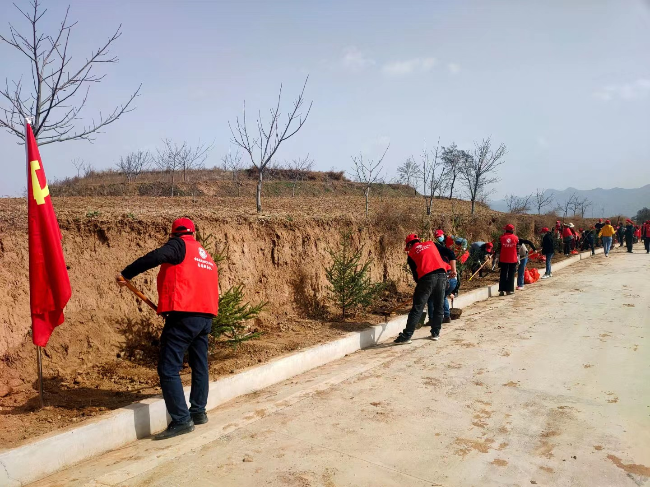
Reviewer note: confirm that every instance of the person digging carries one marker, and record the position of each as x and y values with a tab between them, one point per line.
425	259
188	299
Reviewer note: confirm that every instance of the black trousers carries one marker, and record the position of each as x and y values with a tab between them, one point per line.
430	288
507	278
629	241
184	332
647	245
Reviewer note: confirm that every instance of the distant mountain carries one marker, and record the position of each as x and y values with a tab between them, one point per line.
605	202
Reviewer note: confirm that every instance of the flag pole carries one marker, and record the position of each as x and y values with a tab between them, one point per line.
39	362
39	354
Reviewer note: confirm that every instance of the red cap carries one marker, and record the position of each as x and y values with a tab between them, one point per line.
544	230
410	238
607	221
488	247
509	227
183	225
438	233
600	220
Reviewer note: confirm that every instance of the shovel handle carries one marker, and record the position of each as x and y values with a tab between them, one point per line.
140	294
479	269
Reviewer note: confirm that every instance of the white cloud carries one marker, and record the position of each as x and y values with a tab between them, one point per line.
453	68
354	60
410	66
626	91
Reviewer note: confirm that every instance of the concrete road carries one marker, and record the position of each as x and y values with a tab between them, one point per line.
547	387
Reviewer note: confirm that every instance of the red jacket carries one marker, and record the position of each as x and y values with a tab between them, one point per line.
567	232
508	254
191	286
646	232
427	258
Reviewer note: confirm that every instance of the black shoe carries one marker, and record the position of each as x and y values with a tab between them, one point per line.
175	429
402	339
509	292
446	319
501	293
435	336
199	418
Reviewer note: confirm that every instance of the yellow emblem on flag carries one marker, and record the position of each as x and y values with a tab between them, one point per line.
39	193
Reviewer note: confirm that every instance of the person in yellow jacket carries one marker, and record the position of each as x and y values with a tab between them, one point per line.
607	232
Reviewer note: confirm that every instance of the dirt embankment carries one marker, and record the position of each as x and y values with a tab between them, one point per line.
103	356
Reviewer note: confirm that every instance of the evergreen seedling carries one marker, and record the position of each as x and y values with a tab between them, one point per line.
350	283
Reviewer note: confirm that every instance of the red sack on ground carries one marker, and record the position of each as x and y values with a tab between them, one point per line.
534	274
528	279
537	256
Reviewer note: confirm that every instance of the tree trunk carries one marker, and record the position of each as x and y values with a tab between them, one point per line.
429	203
367	193
293	189
451	190
473	201
258	193
172	184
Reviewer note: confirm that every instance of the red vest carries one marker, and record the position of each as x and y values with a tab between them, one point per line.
647	231
567	232
427	258
508	253
464	257
192	285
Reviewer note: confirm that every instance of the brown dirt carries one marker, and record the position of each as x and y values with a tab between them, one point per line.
632	468
103	356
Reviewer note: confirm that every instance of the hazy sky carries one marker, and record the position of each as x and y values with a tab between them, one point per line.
564	84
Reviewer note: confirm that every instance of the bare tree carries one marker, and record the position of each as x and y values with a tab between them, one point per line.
581	206
58	92
452	160
542	200
79	165
175	157
262	146
368	172
298	169
134	163
233	163
518	205
168	160
434	175
477	170
409	174
566	205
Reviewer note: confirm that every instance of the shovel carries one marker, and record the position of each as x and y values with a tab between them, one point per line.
137	292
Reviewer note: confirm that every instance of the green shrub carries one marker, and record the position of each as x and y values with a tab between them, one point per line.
228	326
350	285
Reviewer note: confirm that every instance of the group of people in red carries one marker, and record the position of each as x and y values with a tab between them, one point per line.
433	263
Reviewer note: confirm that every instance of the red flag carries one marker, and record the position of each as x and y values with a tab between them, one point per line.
49	284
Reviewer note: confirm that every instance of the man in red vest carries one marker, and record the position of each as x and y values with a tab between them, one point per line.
188	294
646	236
508	260
429	269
